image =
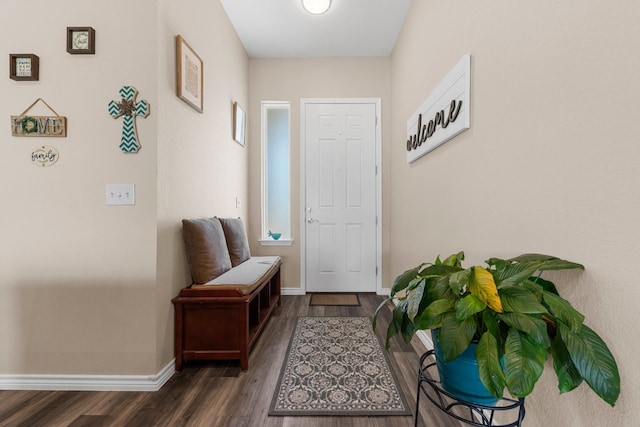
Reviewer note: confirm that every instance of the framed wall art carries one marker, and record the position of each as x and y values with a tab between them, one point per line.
81	40
189	75
239	124
24	66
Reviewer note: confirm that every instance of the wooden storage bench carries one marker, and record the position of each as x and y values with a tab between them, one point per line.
222	322
220	316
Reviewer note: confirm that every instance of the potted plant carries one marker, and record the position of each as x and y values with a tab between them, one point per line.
512	317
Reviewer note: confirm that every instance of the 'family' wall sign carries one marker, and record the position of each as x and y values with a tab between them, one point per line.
443	115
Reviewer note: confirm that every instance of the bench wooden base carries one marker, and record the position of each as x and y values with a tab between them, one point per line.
223	324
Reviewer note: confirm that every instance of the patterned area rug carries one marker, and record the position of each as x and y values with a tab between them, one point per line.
336	366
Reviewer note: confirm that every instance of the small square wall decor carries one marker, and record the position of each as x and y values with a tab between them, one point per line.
81	40
24	66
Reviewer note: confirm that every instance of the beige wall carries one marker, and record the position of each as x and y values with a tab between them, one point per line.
291	80
549	165
201	169
85	288
74	273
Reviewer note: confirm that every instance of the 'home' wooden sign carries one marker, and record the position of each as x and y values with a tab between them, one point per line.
38	126
24	125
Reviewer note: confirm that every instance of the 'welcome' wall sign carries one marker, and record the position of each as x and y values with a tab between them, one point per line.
443	115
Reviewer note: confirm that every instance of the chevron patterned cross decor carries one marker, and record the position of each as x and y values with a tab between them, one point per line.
129	109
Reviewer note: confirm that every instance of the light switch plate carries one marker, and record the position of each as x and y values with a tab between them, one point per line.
120	194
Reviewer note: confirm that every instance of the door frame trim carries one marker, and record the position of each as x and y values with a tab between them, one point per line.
378	148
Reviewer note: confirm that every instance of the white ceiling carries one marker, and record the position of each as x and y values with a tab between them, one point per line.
282	29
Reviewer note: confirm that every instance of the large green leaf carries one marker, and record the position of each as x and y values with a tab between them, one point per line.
531	257
414	298
523	363
455	336
490	369
593	360
545	284
438	288
520	300
498	263
548	262
403	280
454	260
532	287
513	274
382	305
468	306
563	310
567	373
395	325
459	280
437	270
432	316
414	283
490	320
560	264
534	327
400	323
482	285
523	266
407	329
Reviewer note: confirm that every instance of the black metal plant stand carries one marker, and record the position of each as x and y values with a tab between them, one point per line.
469	413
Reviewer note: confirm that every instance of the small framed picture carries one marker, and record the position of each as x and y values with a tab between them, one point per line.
81	40
24	66
239	123
189	75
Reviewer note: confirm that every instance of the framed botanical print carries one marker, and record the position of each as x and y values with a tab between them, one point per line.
24	66
81	40
189	75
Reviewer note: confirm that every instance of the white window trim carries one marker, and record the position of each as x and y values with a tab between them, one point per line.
279	242
264	240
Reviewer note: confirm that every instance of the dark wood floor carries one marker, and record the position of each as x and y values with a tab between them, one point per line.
219	393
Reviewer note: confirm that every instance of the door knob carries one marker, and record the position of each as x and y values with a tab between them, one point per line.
311	220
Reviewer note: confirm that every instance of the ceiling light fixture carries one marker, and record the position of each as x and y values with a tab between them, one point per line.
316	7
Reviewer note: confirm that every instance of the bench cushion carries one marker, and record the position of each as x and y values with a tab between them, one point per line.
244	277
237	241
206	248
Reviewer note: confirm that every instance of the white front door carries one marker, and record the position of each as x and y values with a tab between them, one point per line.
340	197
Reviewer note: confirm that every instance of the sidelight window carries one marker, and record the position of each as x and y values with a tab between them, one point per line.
276	173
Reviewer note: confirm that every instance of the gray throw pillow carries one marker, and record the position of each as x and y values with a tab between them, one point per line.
237	241
206	248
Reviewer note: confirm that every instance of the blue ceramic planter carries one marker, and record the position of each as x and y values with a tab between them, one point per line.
460	376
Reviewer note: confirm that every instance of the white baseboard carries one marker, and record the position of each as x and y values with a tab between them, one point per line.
384	291
292	291
425	338
300	291
89	382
